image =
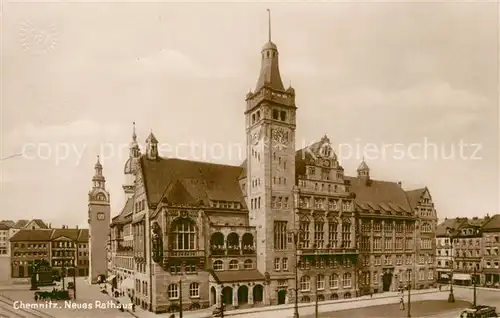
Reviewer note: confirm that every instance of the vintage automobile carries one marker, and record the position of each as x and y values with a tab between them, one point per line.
479	312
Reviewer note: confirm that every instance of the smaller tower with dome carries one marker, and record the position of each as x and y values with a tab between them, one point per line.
99	215
363	171
131	165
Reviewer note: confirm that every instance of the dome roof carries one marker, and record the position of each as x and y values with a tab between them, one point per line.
130	166
363	166
269	46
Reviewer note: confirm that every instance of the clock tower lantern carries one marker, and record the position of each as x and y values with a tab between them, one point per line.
99	229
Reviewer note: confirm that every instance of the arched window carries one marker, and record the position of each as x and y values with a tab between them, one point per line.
305	283
173	291
248	264
183	235
334	281
320	282
346	280
233	264
194	290
218	265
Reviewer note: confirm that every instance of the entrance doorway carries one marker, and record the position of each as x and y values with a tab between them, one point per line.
281	297
386	281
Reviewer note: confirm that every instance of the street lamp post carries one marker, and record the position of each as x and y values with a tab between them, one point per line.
316	289
75	266
222	304
180	298
296	241
409	294
451	236
474	295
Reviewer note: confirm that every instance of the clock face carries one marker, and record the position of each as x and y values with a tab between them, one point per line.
100	197
280	136
100	216
327	163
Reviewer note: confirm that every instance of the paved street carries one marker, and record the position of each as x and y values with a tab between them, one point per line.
418	309
424	304
87	295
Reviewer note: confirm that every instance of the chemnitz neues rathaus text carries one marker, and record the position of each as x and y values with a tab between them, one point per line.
211	233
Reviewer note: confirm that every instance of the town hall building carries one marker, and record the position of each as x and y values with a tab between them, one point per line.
198	234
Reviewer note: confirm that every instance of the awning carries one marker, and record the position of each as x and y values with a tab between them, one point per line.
110	278
127	283
461	277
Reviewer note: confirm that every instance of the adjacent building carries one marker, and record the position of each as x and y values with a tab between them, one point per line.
491	254
66	250
213	233
444	251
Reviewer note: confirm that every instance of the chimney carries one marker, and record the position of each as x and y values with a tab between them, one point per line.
400	184
49	226
475	218
77	227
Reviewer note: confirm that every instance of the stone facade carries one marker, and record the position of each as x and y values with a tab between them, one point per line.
206	234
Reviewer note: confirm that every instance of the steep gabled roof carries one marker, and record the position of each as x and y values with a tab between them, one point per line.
21	224
492	224
414	196
25	235
38	222
456	223
190	180
83	236
384	196
9	223
4	227
126	213
71	234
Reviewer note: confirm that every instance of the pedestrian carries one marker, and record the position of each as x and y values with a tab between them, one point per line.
36	297
371	294
439	287
171	316
401	303
133	307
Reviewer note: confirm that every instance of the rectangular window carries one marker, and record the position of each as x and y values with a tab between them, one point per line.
346	234
319	233
304	228
280	235
333	234
284	264
277	264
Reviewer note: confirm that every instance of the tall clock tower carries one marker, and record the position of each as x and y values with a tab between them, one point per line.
270	130
99	229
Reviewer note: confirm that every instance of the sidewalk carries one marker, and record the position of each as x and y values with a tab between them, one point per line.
287	310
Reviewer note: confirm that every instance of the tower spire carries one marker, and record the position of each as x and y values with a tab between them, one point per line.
134	136
269	21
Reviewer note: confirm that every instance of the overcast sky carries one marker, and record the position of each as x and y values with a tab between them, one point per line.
75	76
